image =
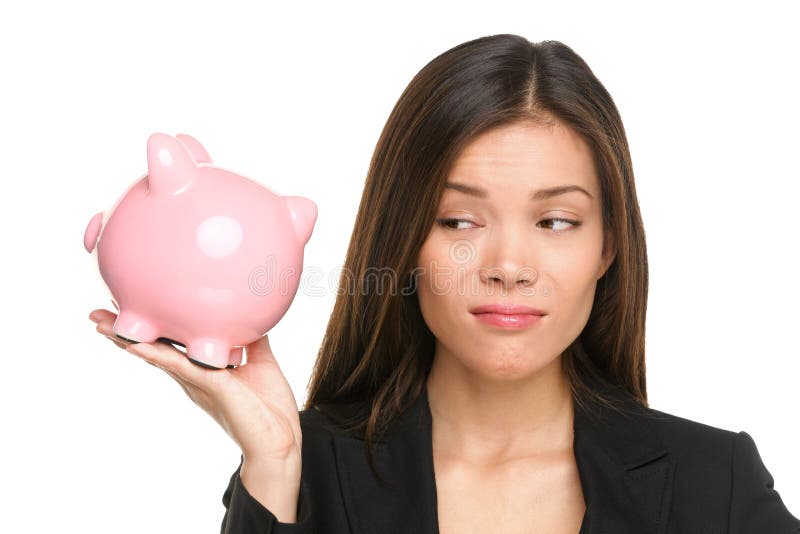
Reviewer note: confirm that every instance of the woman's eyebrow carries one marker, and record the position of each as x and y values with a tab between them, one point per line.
541	194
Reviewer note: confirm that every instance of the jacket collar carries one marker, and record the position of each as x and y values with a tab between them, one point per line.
626	473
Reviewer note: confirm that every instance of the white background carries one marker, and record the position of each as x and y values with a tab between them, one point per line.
96	440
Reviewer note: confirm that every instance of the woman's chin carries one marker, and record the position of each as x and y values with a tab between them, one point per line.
510	368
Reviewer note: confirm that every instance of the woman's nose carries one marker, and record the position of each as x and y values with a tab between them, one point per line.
508	277
509	262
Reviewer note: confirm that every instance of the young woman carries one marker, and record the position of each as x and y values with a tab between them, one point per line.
483	369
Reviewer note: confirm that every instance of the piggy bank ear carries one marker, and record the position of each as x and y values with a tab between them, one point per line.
304	214
199	153
170	166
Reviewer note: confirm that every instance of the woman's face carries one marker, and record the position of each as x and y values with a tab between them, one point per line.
500	238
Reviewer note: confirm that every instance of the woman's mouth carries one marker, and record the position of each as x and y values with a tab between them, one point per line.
504	315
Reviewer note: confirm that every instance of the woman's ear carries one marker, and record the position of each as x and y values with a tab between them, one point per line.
609	253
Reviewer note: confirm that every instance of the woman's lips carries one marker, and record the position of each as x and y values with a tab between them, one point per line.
512	321
506	309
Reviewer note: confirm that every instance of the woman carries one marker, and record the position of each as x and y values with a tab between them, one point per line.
483	369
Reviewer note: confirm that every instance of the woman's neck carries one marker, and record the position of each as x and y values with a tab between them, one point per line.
487	422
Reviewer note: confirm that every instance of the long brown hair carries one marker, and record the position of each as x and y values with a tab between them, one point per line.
377	350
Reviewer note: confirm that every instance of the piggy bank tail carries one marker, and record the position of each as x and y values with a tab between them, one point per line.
93	232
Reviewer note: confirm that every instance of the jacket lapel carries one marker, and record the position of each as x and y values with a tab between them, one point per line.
626	473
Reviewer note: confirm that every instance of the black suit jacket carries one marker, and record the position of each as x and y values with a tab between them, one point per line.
644	472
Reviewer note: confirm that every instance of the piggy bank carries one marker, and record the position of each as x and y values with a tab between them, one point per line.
198	255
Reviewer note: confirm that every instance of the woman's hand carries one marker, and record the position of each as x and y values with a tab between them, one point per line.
253	403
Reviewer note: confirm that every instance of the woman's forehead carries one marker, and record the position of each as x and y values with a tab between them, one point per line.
540	156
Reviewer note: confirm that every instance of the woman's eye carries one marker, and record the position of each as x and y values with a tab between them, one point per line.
449	221
560	220
557	224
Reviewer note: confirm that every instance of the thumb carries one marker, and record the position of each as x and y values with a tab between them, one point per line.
259	351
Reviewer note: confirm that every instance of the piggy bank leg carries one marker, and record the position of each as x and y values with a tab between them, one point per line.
133	327
208	352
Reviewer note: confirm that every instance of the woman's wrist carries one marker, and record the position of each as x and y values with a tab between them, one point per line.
275	485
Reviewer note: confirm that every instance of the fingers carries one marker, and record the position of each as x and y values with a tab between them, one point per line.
105	330
102	315
158	354
173	361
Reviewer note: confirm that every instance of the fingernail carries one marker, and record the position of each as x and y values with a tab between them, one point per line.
93	316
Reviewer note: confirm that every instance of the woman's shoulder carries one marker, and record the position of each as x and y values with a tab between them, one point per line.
677	431
696	443
678	434
694	438
712	458
704	453
709	471
700	451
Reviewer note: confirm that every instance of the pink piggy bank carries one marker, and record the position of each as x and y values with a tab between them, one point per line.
199	256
